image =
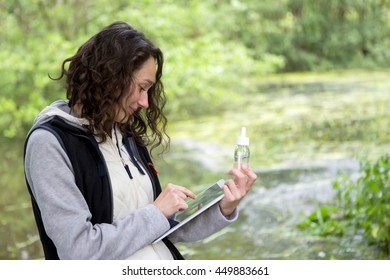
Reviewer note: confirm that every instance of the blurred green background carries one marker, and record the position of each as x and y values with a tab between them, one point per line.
309	80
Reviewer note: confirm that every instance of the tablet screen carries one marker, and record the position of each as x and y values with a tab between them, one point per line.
202	202
202	199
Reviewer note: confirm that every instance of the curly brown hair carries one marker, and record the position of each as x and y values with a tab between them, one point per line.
100	73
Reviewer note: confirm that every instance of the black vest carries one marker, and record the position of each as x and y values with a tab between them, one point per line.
91	177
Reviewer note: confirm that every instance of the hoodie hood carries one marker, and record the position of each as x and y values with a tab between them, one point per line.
59	109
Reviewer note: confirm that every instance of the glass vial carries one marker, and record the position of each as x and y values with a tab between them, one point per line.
241	152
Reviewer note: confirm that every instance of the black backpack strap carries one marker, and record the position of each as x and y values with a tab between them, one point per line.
174	251
49	250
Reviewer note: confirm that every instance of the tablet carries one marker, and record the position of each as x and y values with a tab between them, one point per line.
202	202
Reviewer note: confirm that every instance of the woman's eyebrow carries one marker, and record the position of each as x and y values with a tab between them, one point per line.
148	82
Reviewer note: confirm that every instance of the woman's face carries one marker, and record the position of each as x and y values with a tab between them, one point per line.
137	96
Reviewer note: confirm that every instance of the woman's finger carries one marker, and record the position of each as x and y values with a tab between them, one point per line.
181	191
236	192
251	177
240	179
229	201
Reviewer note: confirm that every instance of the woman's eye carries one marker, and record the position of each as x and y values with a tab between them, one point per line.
143	89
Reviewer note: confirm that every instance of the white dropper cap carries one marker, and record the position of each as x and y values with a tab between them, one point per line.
243	140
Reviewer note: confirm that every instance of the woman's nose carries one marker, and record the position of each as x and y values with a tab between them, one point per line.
143	101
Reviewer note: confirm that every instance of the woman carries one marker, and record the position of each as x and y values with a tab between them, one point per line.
94	189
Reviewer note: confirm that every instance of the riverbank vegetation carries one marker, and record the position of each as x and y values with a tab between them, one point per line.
361	209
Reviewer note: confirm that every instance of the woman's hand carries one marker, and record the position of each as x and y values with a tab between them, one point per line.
236	188
172	199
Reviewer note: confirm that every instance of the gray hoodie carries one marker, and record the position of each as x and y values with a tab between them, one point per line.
66	216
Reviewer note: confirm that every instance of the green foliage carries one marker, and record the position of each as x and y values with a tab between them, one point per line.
201	64
367	201
363	205
313	35
211	47
323	221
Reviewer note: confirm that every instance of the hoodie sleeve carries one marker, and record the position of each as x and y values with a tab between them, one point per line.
66	216
209	222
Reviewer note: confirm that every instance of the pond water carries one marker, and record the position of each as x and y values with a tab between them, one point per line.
266	228
282	195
